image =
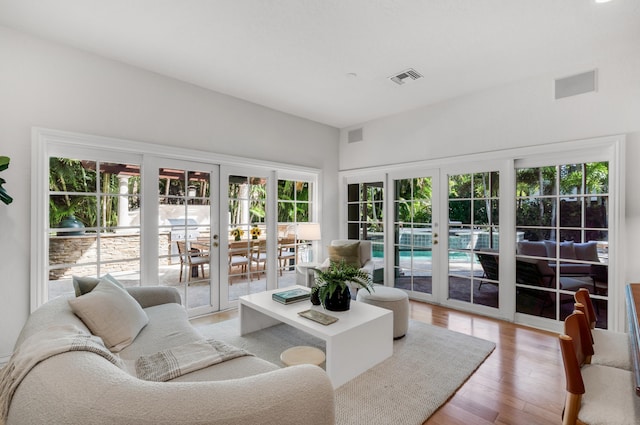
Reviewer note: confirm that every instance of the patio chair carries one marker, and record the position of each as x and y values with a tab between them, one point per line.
192	259
528	273
489	263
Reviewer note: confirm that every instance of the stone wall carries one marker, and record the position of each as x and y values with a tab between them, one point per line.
71	252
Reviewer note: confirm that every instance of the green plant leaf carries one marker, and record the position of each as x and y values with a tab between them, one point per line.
4	162
4	196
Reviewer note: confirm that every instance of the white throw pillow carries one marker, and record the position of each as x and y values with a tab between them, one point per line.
110	313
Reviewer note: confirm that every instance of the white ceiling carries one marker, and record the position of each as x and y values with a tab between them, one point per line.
296	55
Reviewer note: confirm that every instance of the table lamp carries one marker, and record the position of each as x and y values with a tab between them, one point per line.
308	232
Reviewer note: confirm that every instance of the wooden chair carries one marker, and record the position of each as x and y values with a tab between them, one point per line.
259	254
237	258
610	348
596	394
191	259
287	251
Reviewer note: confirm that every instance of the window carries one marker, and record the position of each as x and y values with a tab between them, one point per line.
562	219
94	223
294	206
121	207
365	219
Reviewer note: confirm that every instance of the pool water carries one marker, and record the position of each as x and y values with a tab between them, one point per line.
426	255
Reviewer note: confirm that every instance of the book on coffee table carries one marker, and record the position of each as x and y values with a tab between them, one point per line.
318	316
291	296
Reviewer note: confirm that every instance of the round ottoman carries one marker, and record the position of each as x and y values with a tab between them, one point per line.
302	355
392	299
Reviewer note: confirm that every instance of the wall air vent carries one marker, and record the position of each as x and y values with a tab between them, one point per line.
354	136
576	84
406	76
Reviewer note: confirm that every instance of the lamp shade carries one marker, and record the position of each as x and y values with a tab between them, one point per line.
308	231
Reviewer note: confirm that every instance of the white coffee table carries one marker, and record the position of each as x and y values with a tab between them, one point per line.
360	339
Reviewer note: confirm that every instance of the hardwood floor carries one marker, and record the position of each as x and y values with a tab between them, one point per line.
521	382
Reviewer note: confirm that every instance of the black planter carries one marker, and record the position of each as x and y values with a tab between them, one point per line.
339	301
315	297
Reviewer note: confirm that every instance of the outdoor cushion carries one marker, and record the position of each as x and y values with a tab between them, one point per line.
567	249
110	313
587	251
532	248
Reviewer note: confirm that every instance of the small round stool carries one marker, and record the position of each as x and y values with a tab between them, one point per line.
302	355
392	299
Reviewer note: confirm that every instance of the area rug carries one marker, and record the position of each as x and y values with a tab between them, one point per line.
427	367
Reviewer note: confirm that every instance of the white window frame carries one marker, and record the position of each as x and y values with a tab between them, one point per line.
51	142
608	148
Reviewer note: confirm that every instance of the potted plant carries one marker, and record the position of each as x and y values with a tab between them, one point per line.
331	285
4	196
237	233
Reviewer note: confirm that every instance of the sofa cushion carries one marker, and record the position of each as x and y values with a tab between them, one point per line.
587	251
169	327
110	313
567	249
348	252
85	284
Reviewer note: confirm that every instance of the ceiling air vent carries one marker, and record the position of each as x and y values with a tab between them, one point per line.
406	76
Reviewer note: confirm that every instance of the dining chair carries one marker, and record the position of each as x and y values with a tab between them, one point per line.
191	259
259	254
287	251
610	348
596	394
237	258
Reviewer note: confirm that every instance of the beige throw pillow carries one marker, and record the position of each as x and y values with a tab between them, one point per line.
110	313
350	253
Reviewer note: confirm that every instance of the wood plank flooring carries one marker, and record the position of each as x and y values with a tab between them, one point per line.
520	383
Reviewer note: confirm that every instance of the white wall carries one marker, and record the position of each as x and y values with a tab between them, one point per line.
517	115
43	84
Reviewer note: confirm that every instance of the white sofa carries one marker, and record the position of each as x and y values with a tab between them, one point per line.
79	387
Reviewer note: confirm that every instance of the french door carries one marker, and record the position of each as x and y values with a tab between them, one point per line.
446	241
247	253
416	228
186	197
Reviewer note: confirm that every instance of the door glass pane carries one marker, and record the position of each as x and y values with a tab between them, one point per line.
184	237
247	235
413	244
473	255
562	238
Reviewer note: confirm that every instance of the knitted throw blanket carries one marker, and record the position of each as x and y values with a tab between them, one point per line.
39	347
171	363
